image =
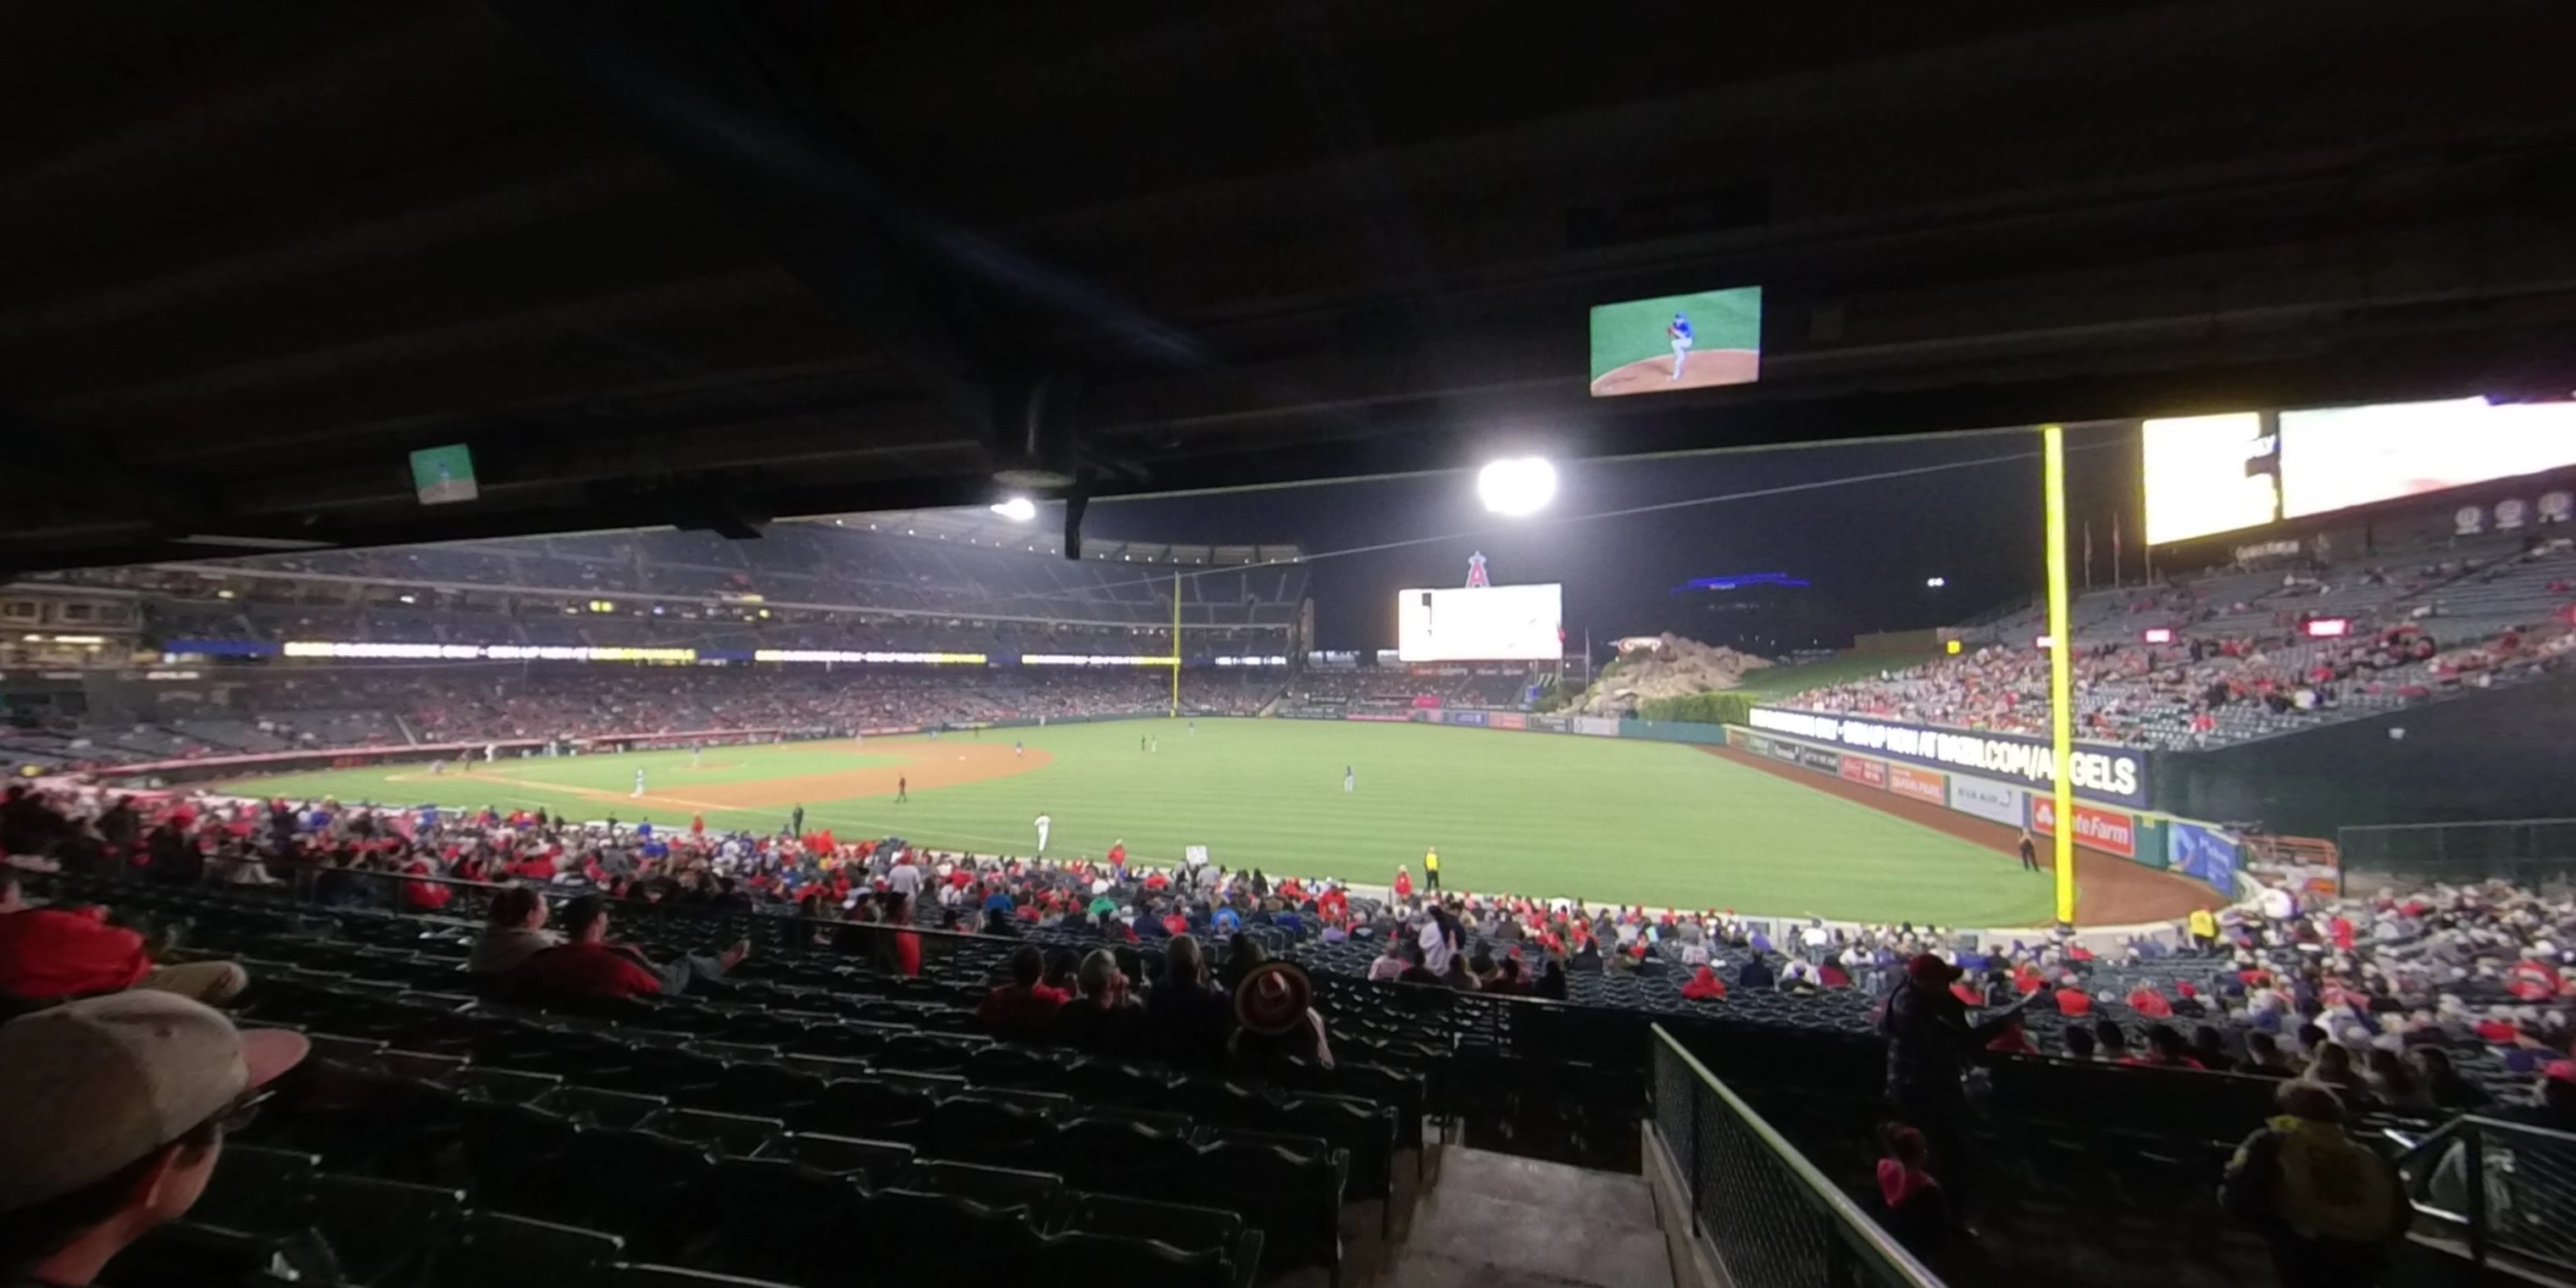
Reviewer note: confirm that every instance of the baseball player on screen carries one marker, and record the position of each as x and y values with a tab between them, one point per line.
1678	333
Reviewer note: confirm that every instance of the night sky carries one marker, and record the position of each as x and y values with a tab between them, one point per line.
1865	547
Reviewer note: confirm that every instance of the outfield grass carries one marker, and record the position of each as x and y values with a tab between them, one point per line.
1601	819
1781	681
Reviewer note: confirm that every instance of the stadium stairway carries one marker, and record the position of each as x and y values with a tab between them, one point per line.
1499	1221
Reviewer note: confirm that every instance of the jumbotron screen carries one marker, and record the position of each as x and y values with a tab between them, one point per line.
2338	457
1481	624
2208	474
2212	474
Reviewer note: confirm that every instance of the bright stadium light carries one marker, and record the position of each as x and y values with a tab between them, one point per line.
1018	509
1936	583
1520	486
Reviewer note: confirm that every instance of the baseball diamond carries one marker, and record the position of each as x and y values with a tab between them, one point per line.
1599	819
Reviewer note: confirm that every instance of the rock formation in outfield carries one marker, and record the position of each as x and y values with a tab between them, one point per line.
1664	666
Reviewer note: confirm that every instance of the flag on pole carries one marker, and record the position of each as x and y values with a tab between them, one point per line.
2088	554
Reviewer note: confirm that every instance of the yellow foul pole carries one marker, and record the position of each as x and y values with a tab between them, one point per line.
1176	646
2061	666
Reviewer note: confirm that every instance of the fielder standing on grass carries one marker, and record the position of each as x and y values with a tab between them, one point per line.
1044	822
639	784
1350	779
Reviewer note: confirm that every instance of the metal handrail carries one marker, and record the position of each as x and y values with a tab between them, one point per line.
1858	1230
2470	1134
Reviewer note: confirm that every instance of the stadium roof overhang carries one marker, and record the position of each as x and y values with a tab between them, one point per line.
711	265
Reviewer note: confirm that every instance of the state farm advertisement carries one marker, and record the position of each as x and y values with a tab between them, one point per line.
1861	769
2099	828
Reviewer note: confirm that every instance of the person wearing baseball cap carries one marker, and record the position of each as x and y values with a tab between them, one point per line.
1930	1040
112	1115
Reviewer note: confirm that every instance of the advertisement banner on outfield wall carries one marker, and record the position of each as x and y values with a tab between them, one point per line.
1818	758
1380	717
1506	720
1546	724
1475	719
1595	726
1752	742
2117	775
1787	751
1928	785
1862	769
1987	800
2101	829
2204	854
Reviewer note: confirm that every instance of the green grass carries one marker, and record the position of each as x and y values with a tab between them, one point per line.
1601	819
1781	681
1633	330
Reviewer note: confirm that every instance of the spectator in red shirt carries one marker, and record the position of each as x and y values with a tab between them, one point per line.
589	968
424	896
2148	1002
1704	986
1023	1009
51	954
906	945
1403	884
2014	1040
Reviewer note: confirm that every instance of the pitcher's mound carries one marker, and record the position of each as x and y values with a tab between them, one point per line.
1706	368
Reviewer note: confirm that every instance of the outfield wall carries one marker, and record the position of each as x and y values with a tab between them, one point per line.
2109	814
2200	851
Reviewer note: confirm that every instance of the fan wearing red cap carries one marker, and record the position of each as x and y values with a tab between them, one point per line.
112	1113
1930	1041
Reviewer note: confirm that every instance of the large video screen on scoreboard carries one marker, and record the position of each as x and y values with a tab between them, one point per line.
2207	474
1670	342
1480	624
2337	457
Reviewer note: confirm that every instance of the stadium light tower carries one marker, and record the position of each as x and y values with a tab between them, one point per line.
1517	487
1018	509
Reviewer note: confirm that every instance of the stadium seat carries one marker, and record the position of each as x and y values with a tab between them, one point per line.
259	1191
643	1186
918	1236
782	1219
984	1127
381	1231
725	1135
873	1163
1121	1156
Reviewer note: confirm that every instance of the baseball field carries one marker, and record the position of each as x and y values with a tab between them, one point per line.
1601	819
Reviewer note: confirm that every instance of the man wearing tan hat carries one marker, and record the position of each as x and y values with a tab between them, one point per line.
112	1114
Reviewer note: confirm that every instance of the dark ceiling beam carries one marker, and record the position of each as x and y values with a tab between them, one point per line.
412	232
737	110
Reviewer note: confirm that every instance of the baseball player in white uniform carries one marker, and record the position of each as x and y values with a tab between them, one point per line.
1044	822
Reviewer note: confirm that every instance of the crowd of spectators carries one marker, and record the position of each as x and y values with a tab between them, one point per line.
1398	689
2248	667
393	706
2414	1003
